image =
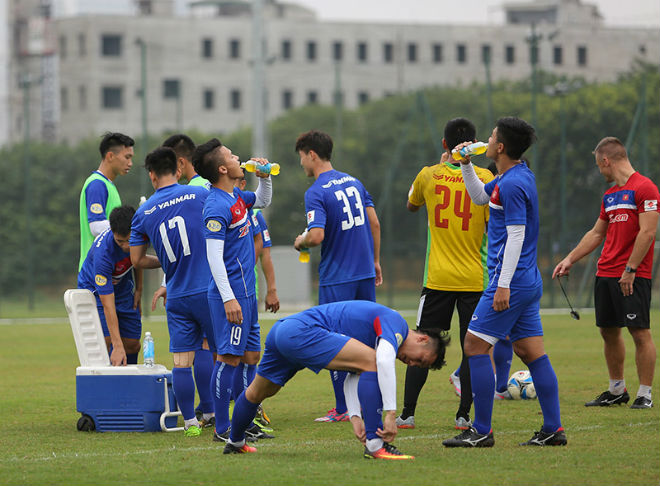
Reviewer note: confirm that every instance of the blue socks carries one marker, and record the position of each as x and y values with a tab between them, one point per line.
502	355
338	378
483	389
244	413
547	390
243	376
203	368
371	402
221	385
183	386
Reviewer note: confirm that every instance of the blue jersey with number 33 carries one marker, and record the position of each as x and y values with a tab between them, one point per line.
337	203
171	220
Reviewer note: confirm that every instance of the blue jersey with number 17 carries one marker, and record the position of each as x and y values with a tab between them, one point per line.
337	203
171	219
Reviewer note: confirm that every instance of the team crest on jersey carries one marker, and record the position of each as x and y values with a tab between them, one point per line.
96	208
651	205
625	197
399	339
100	280
213	225
238	212
310	216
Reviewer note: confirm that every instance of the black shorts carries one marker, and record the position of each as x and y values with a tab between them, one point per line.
436	308
615	310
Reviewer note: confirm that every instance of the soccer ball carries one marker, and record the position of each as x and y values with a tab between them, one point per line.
521	386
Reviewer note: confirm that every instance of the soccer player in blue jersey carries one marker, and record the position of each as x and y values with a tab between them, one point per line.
342	219
171	220
358	336
107	272
510	304
230	254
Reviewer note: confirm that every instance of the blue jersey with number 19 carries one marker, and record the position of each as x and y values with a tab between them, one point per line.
171	220
337	203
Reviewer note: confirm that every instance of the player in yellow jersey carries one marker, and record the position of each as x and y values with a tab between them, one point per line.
455	273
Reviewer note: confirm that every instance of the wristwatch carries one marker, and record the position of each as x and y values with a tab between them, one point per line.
630	269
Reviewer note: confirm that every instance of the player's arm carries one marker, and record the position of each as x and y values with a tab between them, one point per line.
140	259
411	207
473	184
353	406
512	250
648	223
386	365
118	356
258	245
264	192
312	237
96	197
589	242
139	282
272	301
375	233
215	255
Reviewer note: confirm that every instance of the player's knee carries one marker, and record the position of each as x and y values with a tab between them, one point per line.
251	357
230	359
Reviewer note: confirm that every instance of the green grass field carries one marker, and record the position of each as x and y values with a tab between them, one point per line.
40	443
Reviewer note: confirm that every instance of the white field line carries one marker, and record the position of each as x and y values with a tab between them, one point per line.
274	443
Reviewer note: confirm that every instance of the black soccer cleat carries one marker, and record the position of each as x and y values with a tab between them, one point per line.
642	402
606	399
470	438
224	437
540	438
233	449
255	432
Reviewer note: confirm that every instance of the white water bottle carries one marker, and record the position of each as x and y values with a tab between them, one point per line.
148	350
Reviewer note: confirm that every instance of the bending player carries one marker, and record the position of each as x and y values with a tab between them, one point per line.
356	336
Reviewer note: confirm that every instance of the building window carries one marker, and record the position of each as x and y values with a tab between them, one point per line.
461	53
82	45
171	88
510	54
234	49
582	55
363	97
208	99
486	53
412	52
557	55
437	53
311	51
362	51
287	99
235	99
312	97
64	98
82	97
207	48
337	51
110	45
388	52
112	97
62	47
286	50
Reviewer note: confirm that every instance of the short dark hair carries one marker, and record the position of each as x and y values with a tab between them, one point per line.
319	142
612	148
441	340
161	161
120	220
516	135
113	140
459	130
182	145
205	165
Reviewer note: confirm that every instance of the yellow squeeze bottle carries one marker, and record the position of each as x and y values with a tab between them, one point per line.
476	148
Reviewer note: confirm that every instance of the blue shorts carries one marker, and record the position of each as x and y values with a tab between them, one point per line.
364	289
231	338
130	320
292	345
520	320
188	319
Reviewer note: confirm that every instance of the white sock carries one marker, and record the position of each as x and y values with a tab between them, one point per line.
208	416
644	391
617	387
238	444
189	422
374	444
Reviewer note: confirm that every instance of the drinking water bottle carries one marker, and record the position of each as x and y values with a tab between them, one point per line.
476	148
304	255
271	168
148	350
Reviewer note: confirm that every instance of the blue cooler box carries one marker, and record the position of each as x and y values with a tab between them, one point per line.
125	398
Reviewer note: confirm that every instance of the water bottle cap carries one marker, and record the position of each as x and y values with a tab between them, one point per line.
147	334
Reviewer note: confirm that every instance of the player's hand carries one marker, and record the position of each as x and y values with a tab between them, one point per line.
501	299
161	292
379	274
234	312
262	161
118	356
272	302
358	429
298	242
562	268
466	159
626	283
389	430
